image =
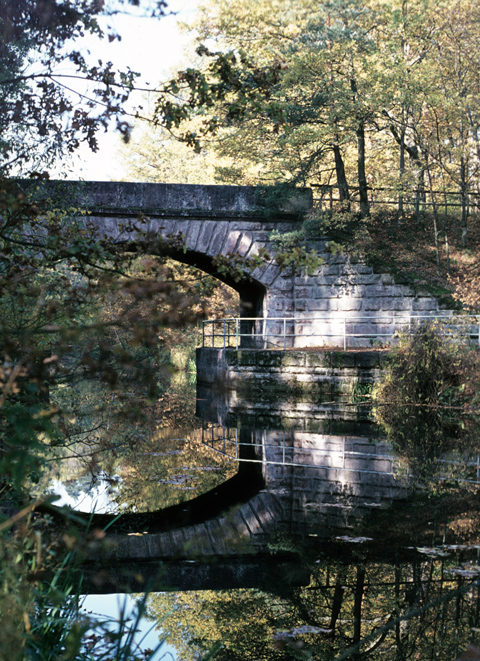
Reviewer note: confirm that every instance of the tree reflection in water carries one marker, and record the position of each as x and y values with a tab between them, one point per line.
400	583
417	609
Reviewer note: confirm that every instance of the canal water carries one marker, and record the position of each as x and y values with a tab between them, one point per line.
389	563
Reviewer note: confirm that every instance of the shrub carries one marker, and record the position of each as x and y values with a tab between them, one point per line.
426	394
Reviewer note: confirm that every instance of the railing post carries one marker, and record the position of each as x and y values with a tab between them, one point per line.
236	332
224	332
285	333
344	333
203	334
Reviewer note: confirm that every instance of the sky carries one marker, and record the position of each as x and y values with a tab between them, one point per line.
113	606
151	47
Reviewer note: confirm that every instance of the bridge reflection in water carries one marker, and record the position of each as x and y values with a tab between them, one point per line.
300	536
323	483
316	481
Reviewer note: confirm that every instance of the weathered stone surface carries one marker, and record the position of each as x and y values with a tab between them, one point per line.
230	219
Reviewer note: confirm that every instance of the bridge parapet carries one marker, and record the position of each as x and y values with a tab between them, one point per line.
165	200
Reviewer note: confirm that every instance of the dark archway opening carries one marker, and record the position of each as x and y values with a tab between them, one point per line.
251	292
245	484
235	490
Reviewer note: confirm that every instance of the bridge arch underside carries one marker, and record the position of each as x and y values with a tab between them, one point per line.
252	293
265	291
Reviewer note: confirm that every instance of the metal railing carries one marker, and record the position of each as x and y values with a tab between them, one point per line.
291	332
285	451
226	442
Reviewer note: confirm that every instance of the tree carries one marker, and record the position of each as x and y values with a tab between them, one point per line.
357	93
51	98
62	379
303	94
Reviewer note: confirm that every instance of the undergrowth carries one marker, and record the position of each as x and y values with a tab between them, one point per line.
41	599
405	248
427	398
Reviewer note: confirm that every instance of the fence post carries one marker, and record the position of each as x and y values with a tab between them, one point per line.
236	333
203	334
224	331
344	333
285	333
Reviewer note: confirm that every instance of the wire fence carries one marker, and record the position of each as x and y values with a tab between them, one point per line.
347	331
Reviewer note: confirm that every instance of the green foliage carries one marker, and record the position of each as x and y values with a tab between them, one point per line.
85	335
41	618
297	259
237	267
426	394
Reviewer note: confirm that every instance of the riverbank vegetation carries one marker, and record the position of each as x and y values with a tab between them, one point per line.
68	384
427	398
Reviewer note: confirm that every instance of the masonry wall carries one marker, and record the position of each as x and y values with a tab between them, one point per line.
321	372
327	483
346	298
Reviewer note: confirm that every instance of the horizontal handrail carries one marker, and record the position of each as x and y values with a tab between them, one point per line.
235	332
287	452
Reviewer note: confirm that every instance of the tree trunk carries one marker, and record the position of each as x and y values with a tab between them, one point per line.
402	173
362	178
344	193
336	604
464	193
357	608
435	219
420	199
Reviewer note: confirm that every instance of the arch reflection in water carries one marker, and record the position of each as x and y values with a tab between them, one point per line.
323	483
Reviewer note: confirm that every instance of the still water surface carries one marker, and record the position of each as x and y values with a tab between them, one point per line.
393	568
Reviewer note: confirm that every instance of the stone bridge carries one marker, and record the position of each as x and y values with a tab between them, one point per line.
238	221
226	538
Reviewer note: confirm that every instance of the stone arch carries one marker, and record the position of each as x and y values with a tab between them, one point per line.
252	292
213	220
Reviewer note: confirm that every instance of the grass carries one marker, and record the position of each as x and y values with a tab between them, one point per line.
42	618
